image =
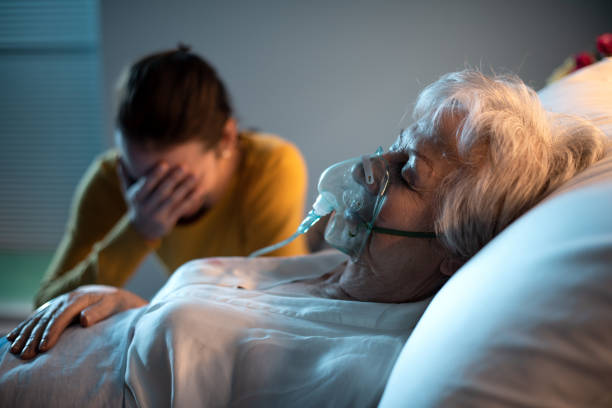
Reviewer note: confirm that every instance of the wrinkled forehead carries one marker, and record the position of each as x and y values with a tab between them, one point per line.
412	140
408	139
424	138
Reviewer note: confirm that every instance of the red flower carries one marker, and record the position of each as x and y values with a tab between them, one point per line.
583	59
604	44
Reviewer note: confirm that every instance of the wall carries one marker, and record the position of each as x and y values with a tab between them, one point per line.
336	77
51	127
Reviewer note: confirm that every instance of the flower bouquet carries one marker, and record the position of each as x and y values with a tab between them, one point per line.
582	59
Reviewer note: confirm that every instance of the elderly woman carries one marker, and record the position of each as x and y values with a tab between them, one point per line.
321	329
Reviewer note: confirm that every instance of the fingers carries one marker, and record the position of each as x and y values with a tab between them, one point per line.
153	200
24	335
182	197
188	202
184	189
166	188
108	305
172	190
151	181
32	346
151	193
91	315
15	332
61	318
28	341
42	329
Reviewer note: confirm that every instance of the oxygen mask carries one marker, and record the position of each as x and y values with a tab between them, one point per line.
353	192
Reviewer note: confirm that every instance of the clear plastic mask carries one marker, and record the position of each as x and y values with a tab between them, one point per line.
354	192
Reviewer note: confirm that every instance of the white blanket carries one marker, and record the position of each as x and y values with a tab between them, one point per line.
218	335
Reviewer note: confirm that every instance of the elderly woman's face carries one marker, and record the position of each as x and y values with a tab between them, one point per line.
396	268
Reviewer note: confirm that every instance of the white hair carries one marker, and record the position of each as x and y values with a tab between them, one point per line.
509	153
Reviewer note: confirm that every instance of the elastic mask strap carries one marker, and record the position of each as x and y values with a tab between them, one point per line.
411	234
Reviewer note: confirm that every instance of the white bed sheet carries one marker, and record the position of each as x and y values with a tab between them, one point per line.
218	335
85	369
204	342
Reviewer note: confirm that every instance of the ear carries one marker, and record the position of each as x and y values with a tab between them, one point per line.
229	138
450	265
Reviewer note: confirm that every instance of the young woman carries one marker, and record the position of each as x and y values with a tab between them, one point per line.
183	182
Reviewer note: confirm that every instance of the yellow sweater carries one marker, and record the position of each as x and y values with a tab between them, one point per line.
263	204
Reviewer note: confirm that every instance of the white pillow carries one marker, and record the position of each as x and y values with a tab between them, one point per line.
528	321
587	92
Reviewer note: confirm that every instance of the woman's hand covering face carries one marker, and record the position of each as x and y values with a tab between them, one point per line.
87	305
158	199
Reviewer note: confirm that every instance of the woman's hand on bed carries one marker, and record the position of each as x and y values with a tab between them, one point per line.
87	305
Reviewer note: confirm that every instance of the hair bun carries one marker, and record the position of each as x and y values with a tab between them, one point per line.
183	48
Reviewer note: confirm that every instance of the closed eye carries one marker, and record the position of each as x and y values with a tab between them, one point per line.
397	164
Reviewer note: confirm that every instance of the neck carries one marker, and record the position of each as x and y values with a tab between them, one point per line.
359	282
332	287
228	167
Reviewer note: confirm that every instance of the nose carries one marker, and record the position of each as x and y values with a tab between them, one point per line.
369	173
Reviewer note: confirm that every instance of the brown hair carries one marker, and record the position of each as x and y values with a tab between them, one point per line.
172	97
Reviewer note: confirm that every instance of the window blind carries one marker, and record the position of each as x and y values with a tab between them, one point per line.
50	115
